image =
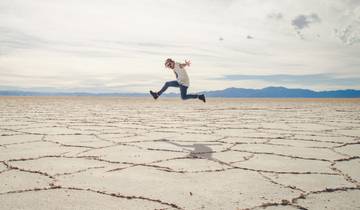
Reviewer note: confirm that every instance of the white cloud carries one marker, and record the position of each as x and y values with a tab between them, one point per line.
303	21
349	34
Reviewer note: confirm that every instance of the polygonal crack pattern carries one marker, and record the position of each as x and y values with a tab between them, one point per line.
136	153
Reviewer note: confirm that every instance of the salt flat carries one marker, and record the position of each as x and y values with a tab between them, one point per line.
137	153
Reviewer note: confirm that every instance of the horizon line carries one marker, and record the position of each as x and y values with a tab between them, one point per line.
63	91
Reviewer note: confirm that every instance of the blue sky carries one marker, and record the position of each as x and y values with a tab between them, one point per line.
121	45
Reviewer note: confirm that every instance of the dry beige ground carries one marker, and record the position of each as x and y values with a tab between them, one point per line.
121	153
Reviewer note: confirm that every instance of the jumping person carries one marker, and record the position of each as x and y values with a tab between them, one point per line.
182	81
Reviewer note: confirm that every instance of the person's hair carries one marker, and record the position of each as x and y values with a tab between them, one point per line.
169	60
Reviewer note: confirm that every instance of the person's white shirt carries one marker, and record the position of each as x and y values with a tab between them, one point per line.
181	75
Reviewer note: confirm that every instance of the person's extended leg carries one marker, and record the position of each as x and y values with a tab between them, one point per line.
184	95
168	84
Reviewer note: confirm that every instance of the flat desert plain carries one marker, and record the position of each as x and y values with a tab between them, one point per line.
137	153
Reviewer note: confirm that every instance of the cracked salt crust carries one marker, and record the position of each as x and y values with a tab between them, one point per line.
14	180
247	188
303	143
324	138
16	139
351	167
78	140
339	200
192	165
73	199
57	165
131	154
2	167
120	153
33	149
310	182
309	153
351	150
232	156
268	162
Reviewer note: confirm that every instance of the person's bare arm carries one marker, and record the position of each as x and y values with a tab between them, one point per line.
187	63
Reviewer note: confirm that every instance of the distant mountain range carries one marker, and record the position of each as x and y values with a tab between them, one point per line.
269	92
281	92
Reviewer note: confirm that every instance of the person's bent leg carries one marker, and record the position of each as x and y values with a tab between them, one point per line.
168	84
184	95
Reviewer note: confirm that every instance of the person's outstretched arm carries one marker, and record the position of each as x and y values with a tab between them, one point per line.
187	63
179	145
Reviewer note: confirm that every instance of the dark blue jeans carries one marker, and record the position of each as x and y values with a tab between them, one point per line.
183	90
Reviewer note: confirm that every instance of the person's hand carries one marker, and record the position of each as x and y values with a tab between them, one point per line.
187	63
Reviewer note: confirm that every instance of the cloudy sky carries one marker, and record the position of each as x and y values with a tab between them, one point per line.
121	45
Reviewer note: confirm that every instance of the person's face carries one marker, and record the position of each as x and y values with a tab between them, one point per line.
170	64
